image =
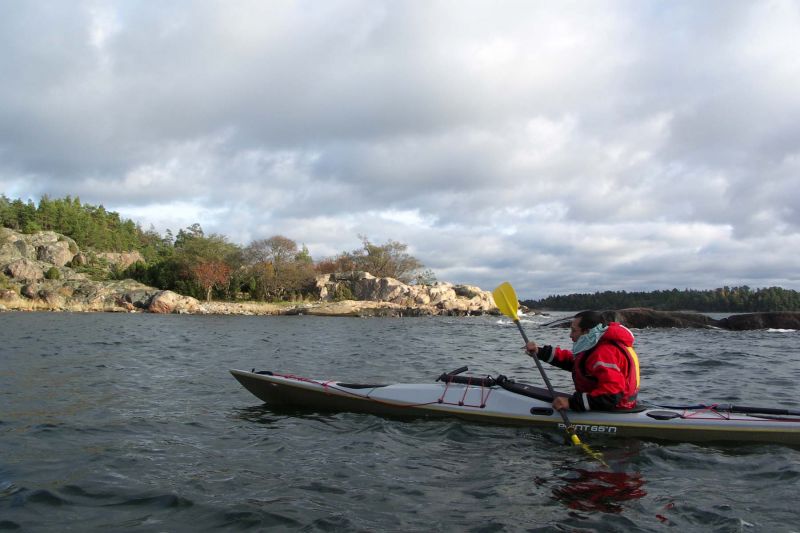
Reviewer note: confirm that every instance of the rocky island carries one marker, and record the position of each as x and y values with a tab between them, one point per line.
42	272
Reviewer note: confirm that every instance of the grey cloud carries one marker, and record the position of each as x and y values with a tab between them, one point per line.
519	136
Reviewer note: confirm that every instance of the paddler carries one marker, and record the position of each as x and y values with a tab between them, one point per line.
604	365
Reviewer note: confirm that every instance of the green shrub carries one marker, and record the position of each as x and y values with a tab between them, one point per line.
342	292
52	273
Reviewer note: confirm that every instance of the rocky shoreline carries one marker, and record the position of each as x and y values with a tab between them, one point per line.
38	273
42	272
187	305
167	302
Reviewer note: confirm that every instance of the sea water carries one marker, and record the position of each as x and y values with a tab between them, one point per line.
112	422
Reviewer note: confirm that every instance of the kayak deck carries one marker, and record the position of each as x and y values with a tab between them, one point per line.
505	402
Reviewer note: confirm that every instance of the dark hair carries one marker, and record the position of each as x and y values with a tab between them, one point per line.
590	319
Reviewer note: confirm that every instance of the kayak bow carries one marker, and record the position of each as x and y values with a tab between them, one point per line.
505	402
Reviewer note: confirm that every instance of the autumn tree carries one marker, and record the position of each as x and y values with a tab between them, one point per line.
210	274
343	262
194	250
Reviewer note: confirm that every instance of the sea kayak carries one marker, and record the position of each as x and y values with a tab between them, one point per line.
499	400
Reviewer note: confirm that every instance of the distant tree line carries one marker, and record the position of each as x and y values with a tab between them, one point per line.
723	300
206	266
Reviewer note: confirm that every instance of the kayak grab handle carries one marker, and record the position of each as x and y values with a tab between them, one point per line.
446	376
541	411
456	371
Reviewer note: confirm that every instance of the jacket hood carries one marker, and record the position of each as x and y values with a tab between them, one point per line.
616	332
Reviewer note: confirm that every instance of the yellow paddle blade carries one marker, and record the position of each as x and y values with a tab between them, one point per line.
597	456
588	450
506	300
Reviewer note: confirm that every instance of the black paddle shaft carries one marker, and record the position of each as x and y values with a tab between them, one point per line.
562	412
762	410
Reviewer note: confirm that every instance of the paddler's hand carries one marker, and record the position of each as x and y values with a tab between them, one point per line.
560	403
532	348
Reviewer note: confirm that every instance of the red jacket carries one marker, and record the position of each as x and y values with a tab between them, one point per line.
606	376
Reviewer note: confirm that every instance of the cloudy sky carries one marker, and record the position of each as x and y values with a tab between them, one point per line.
562	146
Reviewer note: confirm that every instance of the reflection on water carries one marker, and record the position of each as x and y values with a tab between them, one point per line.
600	490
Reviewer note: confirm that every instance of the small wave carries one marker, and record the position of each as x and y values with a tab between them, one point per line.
316	486
44	497
777	330
46	427
163	501
248	519
79	492
105	343
717	518
505	322
8	488
332	523
708	363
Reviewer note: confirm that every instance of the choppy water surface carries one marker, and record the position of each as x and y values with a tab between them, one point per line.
132	422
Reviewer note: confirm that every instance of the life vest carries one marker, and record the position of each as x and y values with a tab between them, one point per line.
585	382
